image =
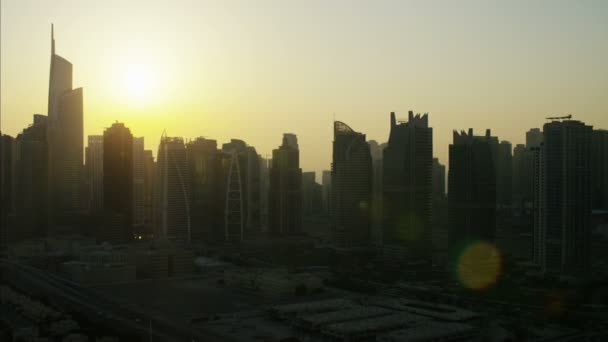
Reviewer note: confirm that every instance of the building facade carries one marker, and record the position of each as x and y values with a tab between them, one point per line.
285	192
563	199
351	188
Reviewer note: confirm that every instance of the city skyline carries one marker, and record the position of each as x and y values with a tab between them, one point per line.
297	79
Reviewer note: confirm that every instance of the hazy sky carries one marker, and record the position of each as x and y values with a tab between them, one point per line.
256	69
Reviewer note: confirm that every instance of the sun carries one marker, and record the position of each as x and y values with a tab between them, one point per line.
139	82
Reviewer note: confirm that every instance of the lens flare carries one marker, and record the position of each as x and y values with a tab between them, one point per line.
479	266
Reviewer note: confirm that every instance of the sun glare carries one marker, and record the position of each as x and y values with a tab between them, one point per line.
139	82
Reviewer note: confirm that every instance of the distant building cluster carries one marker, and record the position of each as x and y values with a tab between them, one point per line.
535	202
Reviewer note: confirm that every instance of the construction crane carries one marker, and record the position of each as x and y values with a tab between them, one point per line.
567	117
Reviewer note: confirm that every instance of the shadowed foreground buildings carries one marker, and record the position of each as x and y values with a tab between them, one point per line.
285	192
562	229
6	186
351	187
471	191
407	188
65	144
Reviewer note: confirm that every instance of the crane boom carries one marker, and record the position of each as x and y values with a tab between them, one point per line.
567	117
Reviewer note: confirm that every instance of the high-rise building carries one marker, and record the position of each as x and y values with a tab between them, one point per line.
471	190
205	185
523	174
326	185
563	199
534	137
242	218
312	196
503	160
149	183
6	186
138	184
118	180
174	220
376	151
285	192
264	191
408	186
65	142
599	169
31	180
351	189
94	172
440	210
438	179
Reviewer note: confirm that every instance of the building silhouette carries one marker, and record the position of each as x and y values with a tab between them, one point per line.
471	191
503	159
138	184
206	180
440	210
65	143
118	183
351	188
312	196
94	172
31	182
149	184
242	216
172	202
599	169
523	175
285	191
376	151
562	225
438	179
326	188
6	187
534	137
408	189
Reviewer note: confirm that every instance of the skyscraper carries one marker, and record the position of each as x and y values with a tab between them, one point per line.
206	179
504	168
31	180
6	186
65	141
326	184
438	179
149	184
407	186
351	189
471	190
285	192
563	197
242	191
138	184
523	173
94	172
599	172
376	151
172	191
534	137
118	179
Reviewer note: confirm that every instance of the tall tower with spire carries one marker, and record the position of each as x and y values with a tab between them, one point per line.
65	142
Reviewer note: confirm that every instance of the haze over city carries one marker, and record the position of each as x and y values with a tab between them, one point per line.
303	171
256	70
